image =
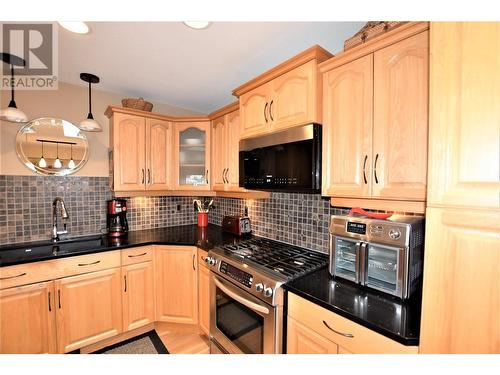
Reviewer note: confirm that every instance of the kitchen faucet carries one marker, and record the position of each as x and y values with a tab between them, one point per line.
64	216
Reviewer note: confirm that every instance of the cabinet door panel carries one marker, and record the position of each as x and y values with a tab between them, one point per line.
192	155
294	97
464	138
177	284
159	154
461	298
27	319
254	107
89	308
219	153
347	129
138	295
302	340
129	148
401	119
233	155
204	297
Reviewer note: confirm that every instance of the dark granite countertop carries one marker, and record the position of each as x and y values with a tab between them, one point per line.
27	252
382	313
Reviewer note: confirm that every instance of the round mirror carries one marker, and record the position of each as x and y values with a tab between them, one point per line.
52	146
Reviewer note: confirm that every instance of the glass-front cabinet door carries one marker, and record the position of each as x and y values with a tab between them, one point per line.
192	155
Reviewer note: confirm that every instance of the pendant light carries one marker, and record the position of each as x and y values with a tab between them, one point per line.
12	113
57	163
89	124
42	163
71	163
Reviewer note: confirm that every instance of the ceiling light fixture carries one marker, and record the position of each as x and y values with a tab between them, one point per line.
42	163
198	25
57	163
89	124
77	27
71	163
12	113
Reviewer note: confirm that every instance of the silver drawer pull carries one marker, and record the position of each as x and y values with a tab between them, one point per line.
138	255
12	277
88	264
337	332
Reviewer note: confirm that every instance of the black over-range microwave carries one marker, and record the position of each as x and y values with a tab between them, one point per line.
288	161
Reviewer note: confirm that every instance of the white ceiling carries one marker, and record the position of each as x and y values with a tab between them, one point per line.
194	69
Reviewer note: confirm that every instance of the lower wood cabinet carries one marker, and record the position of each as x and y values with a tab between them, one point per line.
176	284
313	329
302	340
27	319
88	308
138	295
203	293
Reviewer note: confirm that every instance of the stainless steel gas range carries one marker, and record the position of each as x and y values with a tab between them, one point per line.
246	298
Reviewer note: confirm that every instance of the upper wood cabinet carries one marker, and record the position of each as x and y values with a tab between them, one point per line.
176	284
141	153
285	96
375	126
461	298
88	308
27	319
225	152
192	155
464	137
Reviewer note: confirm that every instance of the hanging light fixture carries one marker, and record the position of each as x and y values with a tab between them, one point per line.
77	27
89	124
42	163
12	113
71	163
57	163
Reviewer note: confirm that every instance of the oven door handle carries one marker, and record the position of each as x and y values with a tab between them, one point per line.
243	301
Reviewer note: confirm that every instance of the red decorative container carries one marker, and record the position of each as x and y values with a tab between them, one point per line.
202	219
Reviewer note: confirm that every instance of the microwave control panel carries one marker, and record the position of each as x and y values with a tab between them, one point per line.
236	274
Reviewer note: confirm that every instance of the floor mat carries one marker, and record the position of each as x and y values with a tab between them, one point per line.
147	343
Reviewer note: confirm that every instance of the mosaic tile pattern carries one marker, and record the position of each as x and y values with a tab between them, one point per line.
26	207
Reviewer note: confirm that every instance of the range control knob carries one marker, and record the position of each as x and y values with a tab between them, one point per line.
210	261
268	292
394	234
259	287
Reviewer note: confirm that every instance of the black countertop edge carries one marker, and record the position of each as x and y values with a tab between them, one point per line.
184	235
296	287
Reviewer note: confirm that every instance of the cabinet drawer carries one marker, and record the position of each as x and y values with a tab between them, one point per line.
136	255
363	340
23	274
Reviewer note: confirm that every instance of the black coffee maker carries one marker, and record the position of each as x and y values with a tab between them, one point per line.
116	220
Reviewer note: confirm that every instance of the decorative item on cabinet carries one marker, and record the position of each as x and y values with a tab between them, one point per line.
139	104
369	31
285	96
375	169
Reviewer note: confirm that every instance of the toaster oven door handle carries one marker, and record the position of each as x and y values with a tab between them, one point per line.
240	299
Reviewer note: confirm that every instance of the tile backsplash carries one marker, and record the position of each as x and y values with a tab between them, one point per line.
26	207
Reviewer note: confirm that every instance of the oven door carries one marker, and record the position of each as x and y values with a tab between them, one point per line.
240	322
385	269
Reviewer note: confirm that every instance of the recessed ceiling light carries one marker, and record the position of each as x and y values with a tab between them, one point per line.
75	27
197	24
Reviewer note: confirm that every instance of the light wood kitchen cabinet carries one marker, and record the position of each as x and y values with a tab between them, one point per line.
176	284
347	130
128	142
138	295
192	155
88	308
225	152
464	135
203	293
285	96
375	127
317	329
27	319
302	340
461	298
400	119
141	153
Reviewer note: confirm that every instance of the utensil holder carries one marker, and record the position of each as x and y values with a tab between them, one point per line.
202	219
